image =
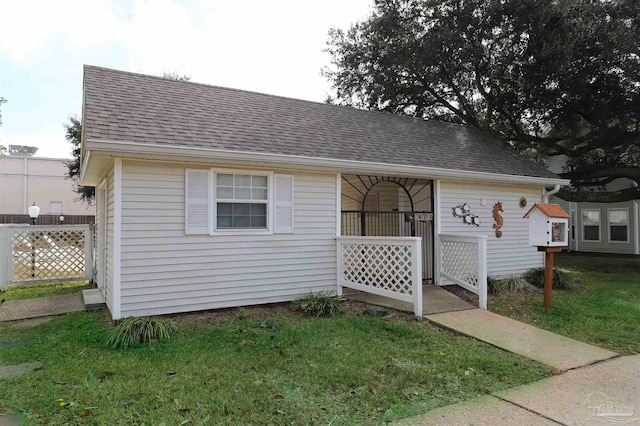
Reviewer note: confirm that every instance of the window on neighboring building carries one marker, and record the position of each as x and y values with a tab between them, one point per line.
591	225
55	207
619	225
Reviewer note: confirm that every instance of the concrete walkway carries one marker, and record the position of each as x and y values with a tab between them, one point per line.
543	346
14	310
603	393
434	299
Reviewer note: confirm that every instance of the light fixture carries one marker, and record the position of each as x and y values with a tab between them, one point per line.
62	218
476	220
34	211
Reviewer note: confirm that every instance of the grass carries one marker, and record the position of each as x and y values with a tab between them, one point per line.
604	311
30	291
227	368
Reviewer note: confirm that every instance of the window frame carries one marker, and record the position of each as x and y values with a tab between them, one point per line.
213	219
599	225
626	209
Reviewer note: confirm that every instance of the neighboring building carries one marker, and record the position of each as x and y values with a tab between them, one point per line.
601	227
25	180
210	197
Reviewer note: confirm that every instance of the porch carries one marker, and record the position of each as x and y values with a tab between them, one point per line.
389	247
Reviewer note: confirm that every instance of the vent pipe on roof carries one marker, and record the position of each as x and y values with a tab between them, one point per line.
547	194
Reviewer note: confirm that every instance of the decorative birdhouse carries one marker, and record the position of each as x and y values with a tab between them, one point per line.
548	225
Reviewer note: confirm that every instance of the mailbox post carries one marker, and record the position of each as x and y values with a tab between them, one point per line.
549	231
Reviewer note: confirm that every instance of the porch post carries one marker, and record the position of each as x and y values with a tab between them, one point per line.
417	277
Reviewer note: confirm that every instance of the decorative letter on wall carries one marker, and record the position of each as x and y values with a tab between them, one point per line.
497	208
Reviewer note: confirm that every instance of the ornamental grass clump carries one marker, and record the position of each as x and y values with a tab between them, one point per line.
514	283
561	279
321	304
138	331
493	285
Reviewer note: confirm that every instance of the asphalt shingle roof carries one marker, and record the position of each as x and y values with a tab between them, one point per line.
127	107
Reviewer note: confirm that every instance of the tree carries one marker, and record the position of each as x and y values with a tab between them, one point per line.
74	135
551	76
175	76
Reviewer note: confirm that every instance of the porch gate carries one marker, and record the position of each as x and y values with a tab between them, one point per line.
463	261
35	254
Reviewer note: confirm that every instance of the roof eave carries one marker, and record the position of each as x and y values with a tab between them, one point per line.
195	154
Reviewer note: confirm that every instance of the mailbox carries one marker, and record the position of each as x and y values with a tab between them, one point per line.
548	225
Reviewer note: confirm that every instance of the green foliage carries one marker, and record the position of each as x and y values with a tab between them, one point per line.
549	77
493	285
561	279
321	304
604	312
30	291
350	370
138	331
514	282
74	137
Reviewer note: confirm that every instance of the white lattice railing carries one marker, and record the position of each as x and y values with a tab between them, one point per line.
463	261
386	266
30	254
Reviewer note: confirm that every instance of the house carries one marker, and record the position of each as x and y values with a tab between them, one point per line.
25	180
209	197
601	227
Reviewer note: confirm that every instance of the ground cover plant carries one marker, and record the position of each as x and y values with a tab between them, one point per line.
603	310
227	367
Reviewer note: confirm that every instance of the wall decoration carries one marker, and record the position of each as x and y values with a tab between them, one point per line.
497	208
523	202
464	211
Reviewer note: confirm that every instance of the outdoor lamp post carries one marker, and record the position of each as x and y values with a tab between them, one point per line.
34	211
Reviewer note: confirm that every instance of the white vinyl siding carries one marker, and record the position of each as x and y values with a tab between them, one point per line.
109	242
165	271
511	254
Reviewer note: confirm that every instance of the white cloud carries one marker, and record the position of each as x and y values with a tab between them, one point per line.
267	46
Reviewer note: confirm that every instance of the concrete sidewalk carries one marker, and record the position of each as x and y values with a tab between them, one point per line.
14	310
543	346
603	393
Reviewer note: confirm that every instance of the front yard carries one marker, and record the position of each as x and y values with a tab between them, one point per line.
227	367
604	310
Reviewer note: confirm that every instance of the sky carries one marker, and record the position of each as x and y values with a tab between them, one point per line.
268	46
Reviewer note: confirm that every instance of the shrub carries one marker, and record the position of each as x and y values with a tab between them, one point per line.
138	331
514	282
493	285
321	304
561	279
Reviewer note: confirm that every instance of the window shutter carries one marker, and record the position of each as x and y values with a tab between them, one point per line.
196	201
283	219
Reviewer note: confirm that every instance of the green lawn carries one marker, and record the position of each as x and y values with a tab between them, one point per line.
30	291
604	311
225	368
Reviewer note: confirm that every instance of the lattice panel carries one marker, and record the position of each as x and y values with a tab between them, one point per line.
387	267
460	260
41	255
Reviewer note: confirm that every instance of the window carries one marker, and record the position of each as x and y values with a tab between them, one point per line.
591	225
241	201
55	207
619	225
232	201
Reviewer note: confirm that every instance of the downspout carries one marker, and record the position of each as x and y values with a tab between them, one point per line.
547	194
26	186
